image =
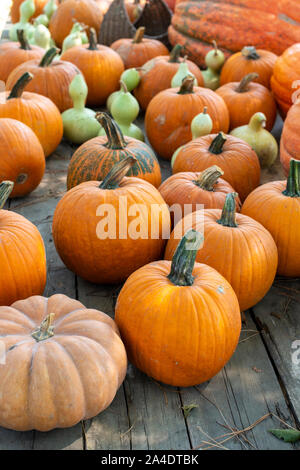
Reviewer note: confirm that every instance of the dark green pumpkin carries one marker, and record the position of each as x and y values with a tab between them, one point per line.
94	159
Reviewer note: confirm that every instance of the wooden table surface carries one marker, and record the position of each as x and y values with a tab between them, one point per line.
259	388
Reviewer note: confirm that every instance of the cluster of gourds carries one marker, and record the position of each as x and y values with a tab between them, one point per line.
178	313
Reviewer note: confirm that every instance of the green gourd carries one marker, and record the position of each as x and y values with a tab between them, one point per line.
214	60
27	10
182	72
131	78
72	40
50	8
42	19
201	125
80	28
79	122
42	37
261	140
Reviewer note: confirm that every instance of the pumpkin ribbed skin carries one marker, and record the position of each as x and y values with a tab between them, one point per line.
15	9
83	11
237	159
12	55
280	215
233	24
290	138
37	112
101	68
52	81
245	255
203	324
156	76
93	160
84	362
136	54
241	63
108	260
182	189
169	115
22	157
285	80
22	258
256	98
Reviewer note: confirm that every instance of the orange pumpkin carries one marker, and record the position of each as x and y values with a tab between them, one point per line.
137	51
57	344
290	138
34	110
101	67
156	75
170	113
83	11
96	157
134	8
15	9
22	157
22	255
13	54
51	78
245	98
181	336
234	156
109	249
276	205
285	81
186	191
238	247
249	60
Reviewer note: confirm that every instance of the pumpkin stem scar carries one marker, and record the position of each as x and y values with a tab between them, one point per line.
115	138
293	180
49	57
243	85
92	40
216	147
117	173
175	53
45	330
24	44
139	35
184	259
187	86
20	85
208	178
6	188
228	213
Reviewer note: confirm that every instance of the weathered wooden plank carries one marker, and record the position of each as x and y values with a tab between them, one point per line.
246	390
278	315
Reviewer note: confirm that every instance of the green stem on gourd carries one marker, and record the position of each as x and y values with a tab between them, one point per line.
117	173
123	86
184	259
115	138
187	86
92	40
293	180
45	329
20	85
6	188
216	147
24	44
250	53
228	213
208	178
48	57
139	35
243	85
257	122
175	53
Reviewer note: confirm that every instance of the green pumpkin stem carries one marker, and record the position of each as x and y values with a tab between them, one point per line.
20	85
45	330
117	173
293	180
184	259
6	188
243	85
139	35
92	40
48	57
250	53
187	86
228	213
115	138
216	147
208	178
24	44
175	53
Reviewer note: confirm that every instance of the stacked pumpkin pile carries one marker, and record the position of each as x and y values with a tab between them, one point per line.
214	126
